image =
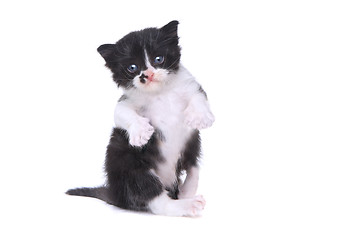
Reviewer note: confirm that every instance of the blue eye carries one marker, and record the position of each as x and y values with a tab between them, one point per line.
132	68
159	60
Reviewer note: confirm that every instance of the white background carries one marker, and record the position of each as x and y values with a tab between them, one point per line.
280	162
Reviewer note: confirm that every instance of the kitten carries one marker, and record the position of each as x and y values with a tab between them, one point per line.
158	118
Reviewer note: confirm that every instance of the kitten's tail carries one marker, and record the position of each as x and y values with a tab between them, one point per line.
97	192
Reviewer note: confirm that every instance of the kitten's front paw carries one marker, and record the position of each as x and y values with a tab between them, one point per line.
140	132
198	119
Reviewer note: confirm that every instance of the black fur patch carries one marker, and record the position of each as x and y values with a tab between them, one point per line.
123	98
203	91
130	183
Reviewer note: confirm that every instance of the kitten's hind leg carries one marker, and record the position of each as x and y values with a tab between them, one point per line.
189	162
164	205
189	187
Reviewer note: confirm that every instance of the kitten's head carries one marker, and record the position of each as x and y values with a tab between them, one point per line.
144	59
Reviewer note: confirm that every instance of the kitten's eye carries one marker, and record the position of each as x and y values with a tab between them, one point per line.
159	60
132	68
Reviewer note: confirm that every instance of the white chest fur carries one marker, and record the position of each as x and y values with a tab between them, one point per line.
166	113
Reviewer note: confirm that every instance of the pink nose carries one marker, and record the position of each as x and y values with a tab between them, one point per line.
149	74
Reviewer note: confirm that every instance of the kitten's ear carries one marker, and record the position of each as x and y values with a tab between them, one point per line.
170	29
106	50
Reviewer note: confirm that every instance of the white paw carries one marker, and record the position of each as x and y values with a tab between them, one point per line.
140	132
198	119
194	206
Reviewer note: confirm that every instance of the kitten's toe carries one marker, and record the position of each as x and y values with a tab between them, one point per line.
140	132
196	205
199	120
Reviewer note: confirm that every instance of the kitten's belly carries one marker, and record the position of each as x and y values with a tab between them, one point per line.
171	147
166	115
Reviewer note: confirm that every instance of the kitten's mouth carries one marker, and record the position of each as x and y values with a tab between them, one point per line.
148	79
153	81
148	82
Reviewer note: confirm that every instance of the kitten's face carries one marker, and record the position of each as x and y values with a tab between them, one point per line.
144	59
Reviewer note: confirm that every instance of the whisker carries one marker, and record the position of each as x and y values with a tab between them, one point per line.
175	61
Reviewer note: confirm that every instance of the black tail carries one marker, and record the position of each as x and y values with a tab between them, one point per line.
97	192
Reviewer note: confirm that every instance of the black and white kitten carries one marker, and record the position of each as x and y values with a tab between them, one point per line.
157	120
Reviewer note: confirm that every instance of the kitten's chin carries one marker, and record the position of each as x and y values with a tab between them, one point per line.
152	86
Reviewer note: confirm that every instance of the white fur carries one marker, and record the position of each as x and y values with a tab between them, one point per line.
198	114
147	62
